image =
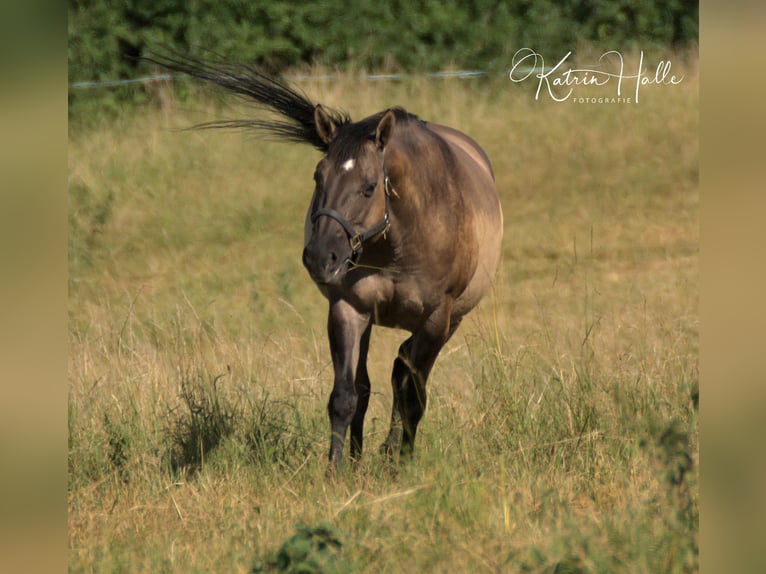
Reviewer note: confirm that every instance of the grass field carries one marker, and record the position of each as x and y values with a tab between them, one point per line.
561	430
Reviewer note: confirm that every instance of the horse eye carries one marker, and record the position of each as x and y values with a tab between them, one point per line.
369	190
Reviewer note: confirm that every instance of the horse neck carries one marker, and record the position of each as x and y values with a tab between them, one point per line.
421	168
424	194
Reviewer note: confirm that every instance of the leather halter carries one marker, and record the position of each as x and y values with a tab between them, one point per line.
356	239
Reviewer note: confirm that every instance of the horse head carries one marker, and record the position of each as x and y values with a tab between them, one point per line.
351	204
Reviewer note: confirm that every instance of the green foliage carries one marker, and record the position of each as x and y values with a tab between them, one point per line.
312	550
106	39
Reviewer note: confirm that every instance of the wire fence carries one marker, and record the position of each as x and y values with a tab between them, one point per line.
112	83
300	78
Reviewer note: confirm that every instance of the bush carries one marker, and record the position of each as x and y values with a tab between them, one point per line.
107	39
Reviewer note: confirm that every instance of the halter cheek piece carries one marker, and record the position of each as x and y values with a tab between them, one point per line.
356	239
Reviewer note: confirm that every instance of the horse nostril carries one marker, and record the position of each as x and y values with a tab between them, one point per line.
333	257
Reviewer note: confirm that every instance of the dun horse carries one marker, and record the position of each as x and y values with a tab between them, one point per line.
403	230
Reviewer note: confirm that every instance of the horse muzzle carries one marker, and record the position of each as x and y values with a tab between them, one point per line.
327	264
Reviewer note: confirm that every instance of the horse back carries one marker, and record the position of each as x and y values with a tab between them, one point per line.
457	139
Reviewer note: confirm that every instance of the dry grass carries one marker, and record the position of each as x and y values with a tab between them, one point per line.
558	414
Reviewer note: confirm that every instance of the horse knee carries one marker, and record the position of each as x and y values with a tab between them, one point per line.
415	401
412	393
342	406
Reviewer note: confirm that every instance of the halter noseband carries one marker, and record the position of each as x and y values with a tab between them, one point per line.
356	239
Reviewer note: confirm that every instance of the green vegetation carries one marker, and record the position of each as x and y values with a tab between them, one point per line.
561	433
107	38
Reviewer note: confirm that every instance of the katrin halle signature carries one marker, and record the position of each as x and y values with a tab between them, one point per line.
527	62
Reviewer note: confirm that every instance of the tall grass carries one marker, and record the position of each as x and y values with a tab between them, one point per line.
561	431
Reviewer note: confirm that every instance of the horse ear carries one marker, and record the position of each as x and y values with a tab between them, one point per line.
385	129
324	124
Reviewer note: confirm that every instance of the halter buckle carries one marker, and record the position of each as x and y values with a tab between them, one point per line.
356	243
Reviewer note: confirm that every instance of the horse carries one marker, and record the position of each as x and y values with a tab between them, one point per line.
403	230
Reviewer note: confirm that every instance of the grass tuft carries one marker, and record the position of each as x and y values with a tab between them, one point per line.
207	419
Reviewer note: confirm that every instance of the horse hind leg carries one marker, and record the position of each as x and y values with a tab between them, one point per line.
414	398
412	367
400	372
408	379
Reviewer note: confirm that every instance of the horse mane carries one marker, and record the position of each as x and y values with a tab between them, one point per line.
267	93
352	135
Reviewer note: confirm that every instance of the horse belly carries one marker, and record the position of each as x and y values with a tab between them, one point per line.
489	232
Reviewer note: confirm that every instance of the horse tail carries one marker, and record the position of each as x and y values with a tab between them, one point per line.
267	93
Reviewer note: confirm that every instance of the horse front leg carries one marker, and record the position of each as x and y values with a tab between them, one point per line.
362	385
345	329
